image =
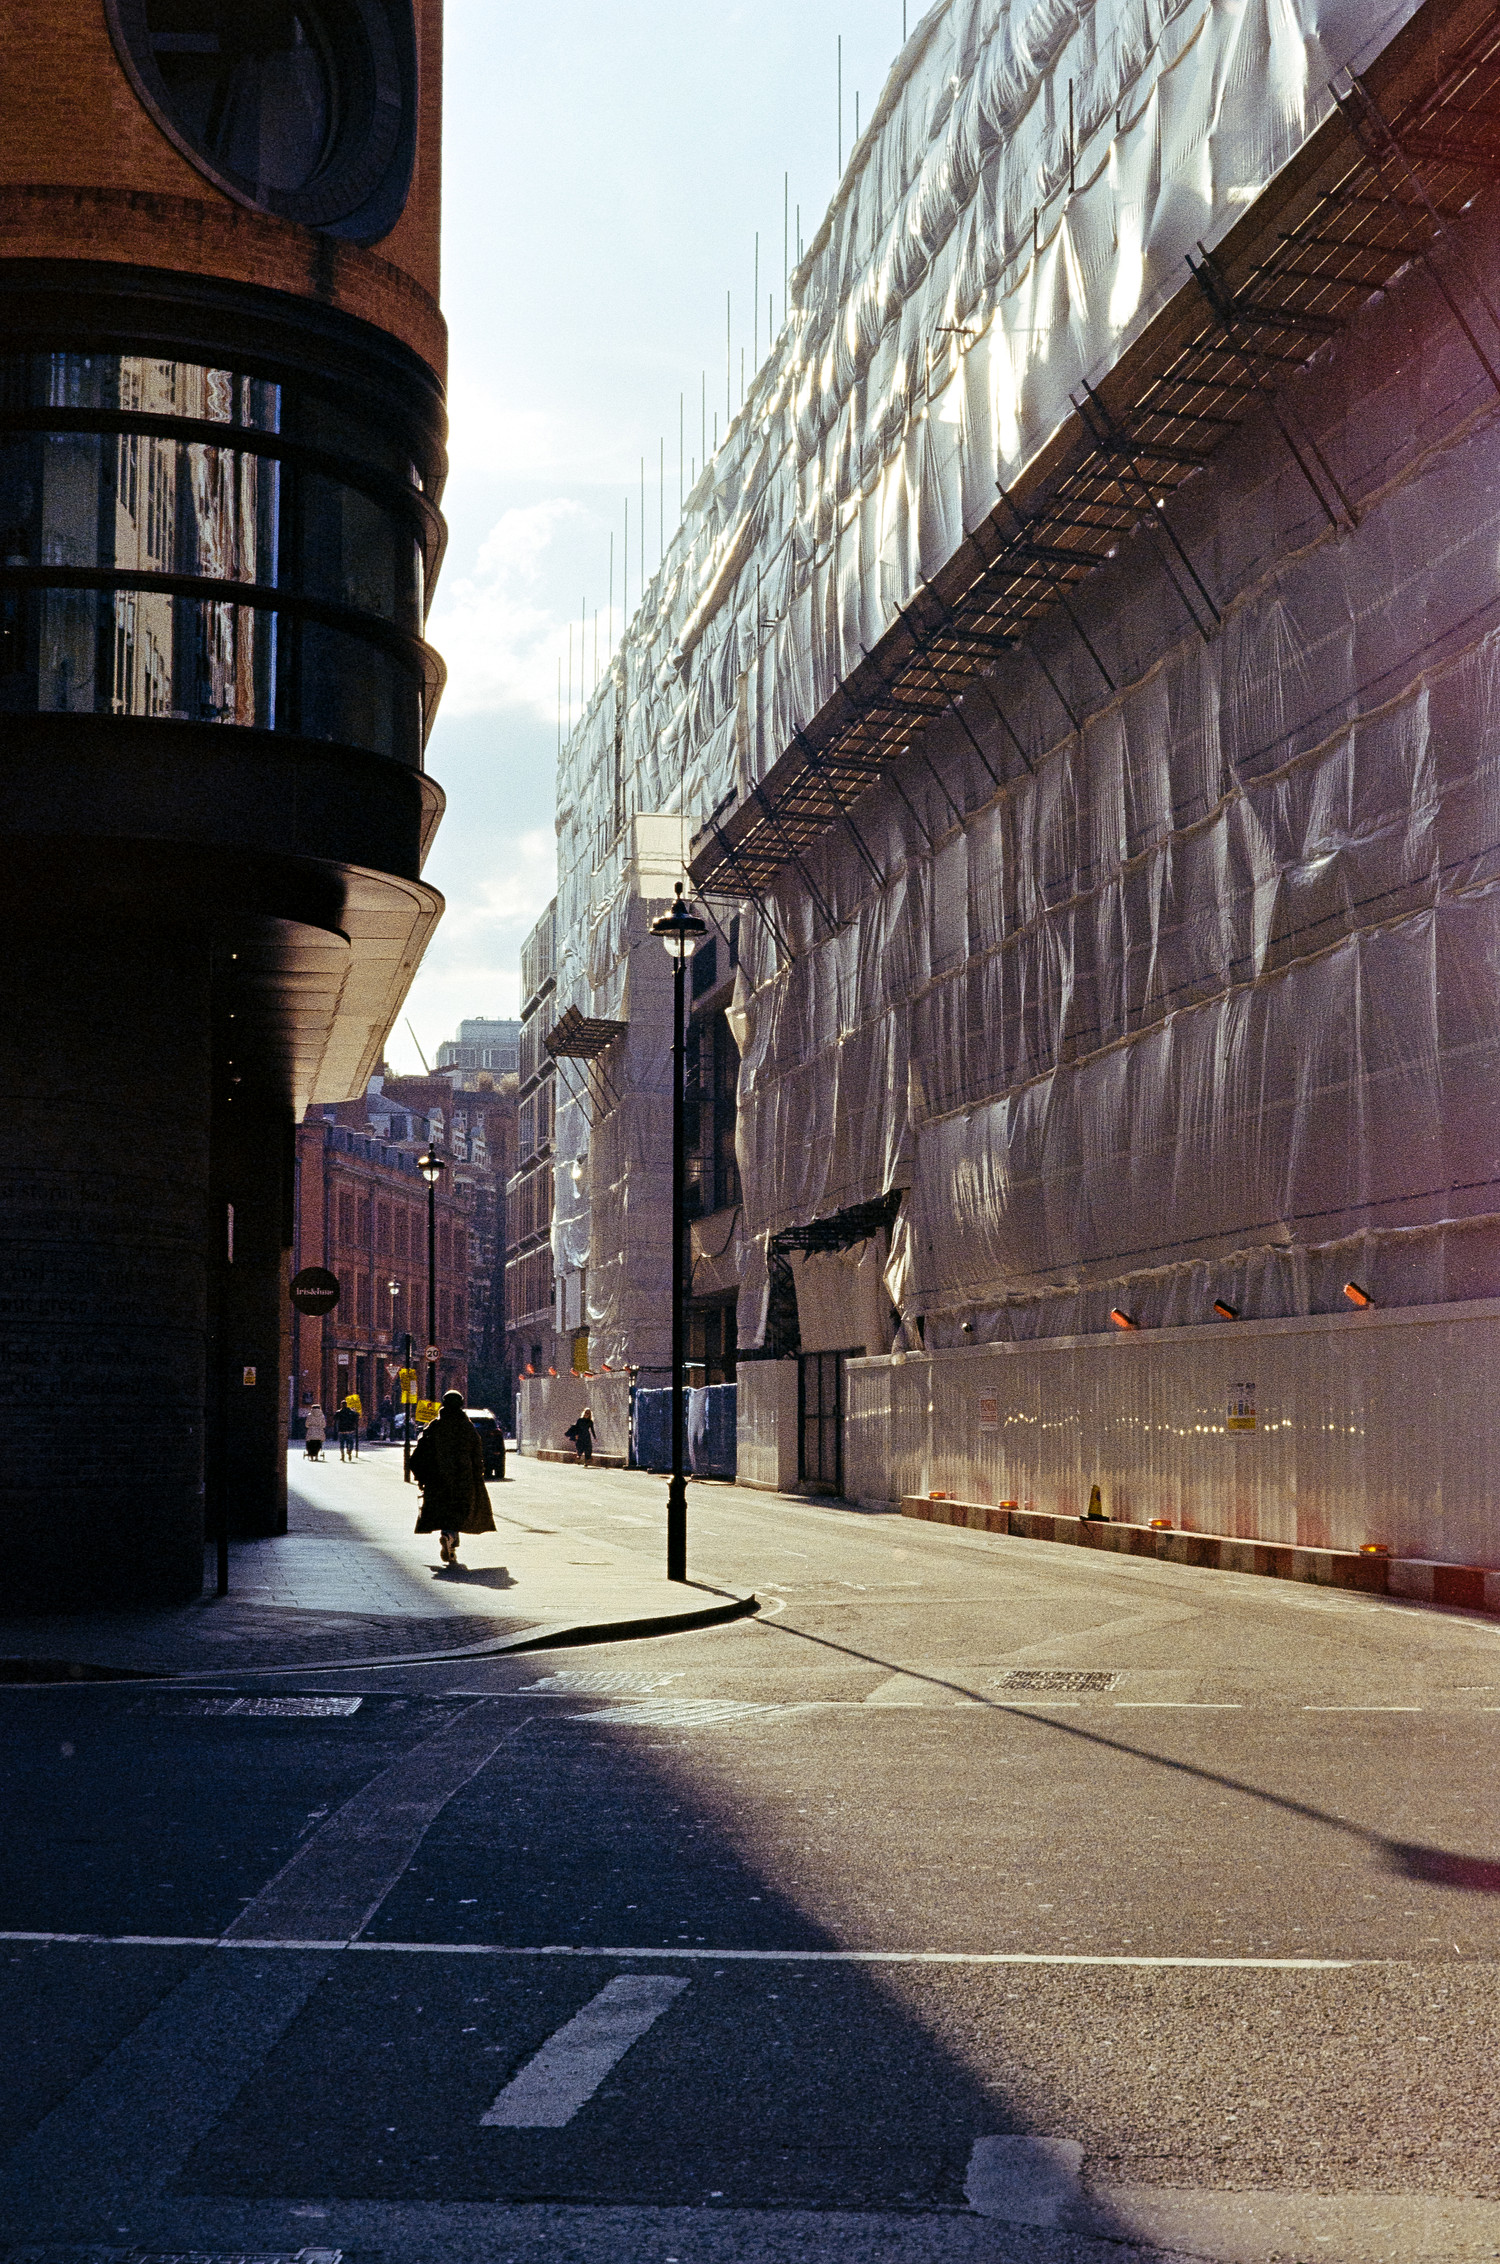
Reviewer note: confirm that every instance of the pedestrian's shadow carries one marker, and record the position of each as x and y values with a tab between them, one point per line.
474	1576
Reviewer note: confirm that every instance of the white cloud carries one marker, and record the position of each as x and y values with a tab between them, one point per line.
499	639
473	965
491	437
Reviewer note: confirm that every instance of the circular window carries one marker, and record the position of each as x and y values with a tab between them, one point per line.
304	108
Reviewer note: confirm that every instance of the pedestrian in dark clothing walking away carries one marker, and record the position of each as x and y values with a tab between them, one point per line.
347	1423
448	1464
582	1435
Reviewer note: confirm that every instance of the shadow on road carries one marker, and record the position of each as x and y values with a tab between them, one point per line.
1435	1866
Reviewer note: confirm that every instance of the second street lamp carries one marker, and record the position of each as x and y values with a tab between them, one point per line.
432	1167
679	930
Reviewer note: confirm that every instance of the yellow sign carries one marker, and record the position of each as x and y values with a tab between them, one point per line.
407	1379
581	1353
426	1410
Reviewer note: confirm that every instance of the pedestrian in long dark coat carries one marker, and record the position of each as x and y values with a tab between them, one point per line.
448	1464
582	1435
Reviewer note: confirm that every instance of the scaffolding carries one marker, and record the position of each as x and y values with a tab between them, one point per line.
1376	189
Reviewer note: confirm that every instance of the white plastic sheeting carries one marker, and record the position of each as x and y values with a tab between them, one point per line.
1205	1007
1324	1432
1017	212
546	1405
841	1298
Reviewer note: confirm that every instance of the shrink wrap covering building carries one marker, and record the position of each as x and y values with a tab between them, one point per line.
1148	954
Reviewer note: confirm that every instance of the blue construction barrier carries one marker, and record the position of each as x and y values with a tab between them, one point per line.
711	1431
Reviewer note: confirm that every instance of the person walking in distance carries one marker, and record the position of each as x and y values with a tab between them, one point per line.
448	1464
582	1435
347	1420
317	1432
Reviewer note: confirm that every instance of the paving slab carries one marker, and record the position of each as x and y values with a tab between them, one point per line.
350	1581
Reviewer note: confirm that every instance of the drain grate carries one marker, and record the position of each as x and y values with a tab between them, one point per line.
1055	1678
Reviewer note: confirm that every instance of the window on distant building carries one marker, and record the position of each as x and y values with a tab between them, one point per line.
383	1229
346	1218
362	1300
401	1227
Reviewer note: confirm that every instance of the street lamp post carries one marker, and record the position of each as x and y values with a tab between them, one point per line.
394	1287
679	929
432	1167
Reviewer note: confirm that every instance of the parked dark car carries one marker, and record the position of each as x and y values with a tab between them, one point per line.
493	1438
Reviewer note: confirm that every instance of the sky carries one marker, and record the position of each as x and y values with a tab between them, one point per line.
606	170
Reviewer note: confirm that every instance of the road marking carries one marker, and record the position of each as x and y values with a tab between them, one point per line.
338	1879
678	1952
1361	1709
1181	1705
684	1713
279	1709
571	2065
124	2132
588	1681
1023	2181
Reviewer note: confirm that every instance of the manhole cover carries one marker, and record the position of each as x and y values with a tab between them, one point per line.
1055	1678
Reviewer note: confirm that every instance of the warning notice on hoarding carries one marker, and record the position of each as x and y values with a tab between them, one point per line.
989	1411
1241	1407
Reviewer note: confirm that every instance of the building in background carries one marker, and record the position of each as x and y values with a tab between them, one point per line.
533	1323
221	461
1076	671
475	1132
362	1212
480	1049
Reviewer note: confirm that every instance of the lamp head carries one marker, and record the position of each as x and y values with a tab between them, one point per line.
679	928
431	1165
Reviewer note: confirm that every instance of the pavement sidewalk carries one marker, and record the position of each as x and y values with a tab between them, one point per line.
350	1581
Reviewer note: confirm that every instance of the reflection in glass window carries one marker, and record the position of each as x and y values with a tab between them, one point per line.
137	502
137	652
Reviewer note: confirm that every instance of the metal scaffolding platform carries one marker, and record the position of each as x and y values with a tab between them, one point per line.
1374	192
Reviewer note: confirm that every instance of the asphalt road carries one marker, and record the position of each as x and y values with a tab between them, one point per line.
980	1900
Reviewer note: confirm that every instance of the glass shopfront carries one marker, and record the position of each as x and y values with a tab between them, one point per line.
262	565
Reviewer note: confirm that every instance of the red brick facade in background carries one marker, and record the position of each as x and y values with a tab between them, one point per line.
362	1213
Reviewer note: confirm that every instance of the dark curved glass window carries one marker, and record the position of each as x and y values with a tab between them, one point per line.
252	84
302	107
110	536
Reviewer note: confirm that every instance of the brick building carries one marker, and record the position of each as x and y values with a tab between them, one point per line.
221	388
474	1130
361	1211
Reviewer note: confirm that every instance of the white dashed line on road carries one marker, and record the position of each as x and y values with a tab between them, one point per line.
611	1952
569	2068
